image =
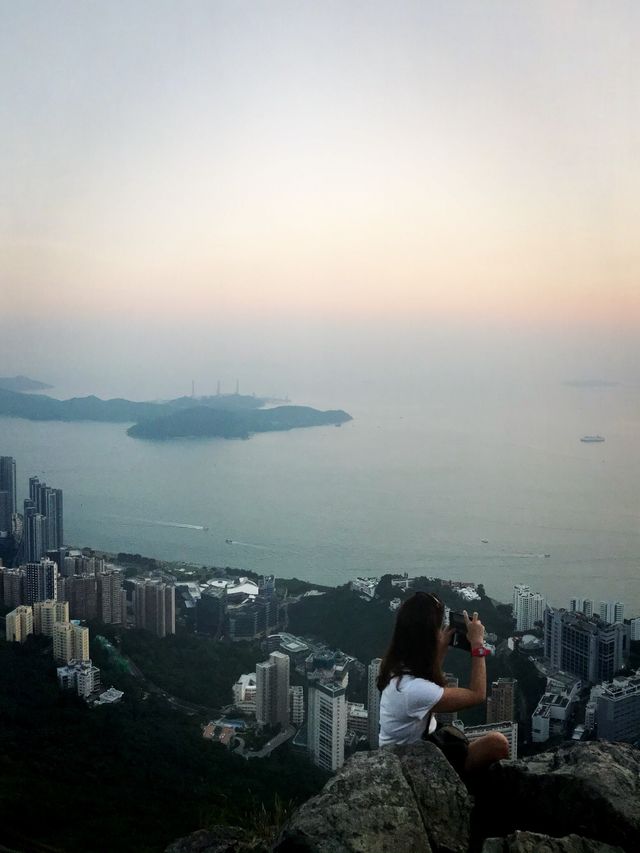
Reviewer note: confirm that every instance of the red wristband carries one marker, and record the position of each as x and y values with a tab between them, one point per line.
481	652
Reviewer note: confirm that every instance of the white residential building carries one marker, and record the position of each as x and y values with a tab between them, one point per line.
508	729
296	705
528	607
357	719
19	624
47	613
634	629
404	582
366	586
581	605
80	676
555	707
591	708
70	641
244	693
612	611
618	716
327	722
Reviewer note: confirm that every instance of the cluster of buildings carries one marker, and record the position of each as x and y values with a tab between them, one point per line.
44	569
49	618
318	707
609	611
585	647
529	609
53	590
40	527
92	590
236	608
328	723
367	586
69	645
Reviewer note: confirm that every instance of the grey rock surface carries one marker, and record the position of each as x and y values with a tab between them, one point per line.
218	839
533	842
367	808
441	796
592	789
579	798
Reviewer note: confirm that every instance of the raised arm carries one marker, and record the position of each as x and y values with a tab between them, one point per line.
457	698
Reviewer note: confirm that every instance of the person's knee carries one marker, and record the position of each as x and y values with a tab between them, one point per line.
499	746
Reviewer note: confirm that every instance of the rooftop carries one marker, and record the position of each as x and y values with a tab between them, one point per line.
109	697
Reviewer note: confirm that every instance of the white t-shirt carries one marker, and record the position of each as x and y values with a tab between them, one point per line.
404	708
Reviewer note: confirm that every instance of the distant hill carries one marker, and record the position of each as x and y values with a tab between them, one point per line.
22	383
39	407
207	422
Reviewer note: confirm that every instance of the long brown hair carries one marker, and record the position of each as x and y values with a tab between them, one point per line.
415	642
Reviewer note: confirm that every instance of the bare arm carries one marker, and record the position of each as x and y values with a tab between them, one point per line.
457	698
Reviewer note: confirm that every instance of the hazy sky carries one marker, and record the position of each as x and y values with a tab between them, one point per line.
273	189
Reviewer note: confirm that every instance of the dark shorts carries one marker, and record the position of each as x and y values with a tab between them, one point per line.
453	745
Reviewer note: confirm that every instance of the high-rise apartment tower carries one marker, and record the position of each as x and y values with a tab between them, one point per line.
373	703
501	702
272	690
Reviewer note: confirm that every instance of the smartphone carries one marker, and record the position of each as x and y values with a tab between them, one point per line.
459	637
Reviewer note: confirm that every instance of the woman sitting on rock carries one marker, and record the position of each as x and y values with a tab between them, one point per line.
413	686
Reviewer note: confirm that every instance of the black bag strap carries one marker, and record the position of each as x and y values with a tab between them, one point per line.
425	733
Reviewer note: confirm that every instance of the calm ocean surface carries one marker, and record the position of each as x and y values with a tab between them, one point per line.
411	486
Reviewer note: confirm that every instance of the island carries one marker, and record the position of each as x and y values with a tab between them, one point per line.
204	422
222	415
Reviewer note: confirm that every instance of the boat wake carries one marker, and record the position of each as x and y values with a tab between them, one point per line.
246	544
172	524
528	556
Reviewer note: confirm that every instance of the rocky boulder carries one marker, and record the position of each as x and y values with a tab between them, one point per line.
578	798
591	789
533	842
442	799
367	808
218	839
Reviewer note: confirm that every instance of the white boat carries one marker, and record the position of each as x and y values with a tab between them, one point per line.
592	439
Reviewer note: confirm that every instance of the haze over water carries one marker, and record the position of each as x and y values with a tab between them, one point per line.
410	484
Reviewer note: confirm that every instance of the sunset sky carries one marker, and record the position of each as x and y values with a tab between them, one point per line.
209	169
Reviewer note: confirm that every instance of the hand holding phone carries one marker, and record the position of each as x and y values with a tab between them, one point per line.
458	623
475	630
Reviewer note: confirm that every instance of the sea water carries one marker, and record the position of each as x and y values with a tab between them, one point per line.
411	485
